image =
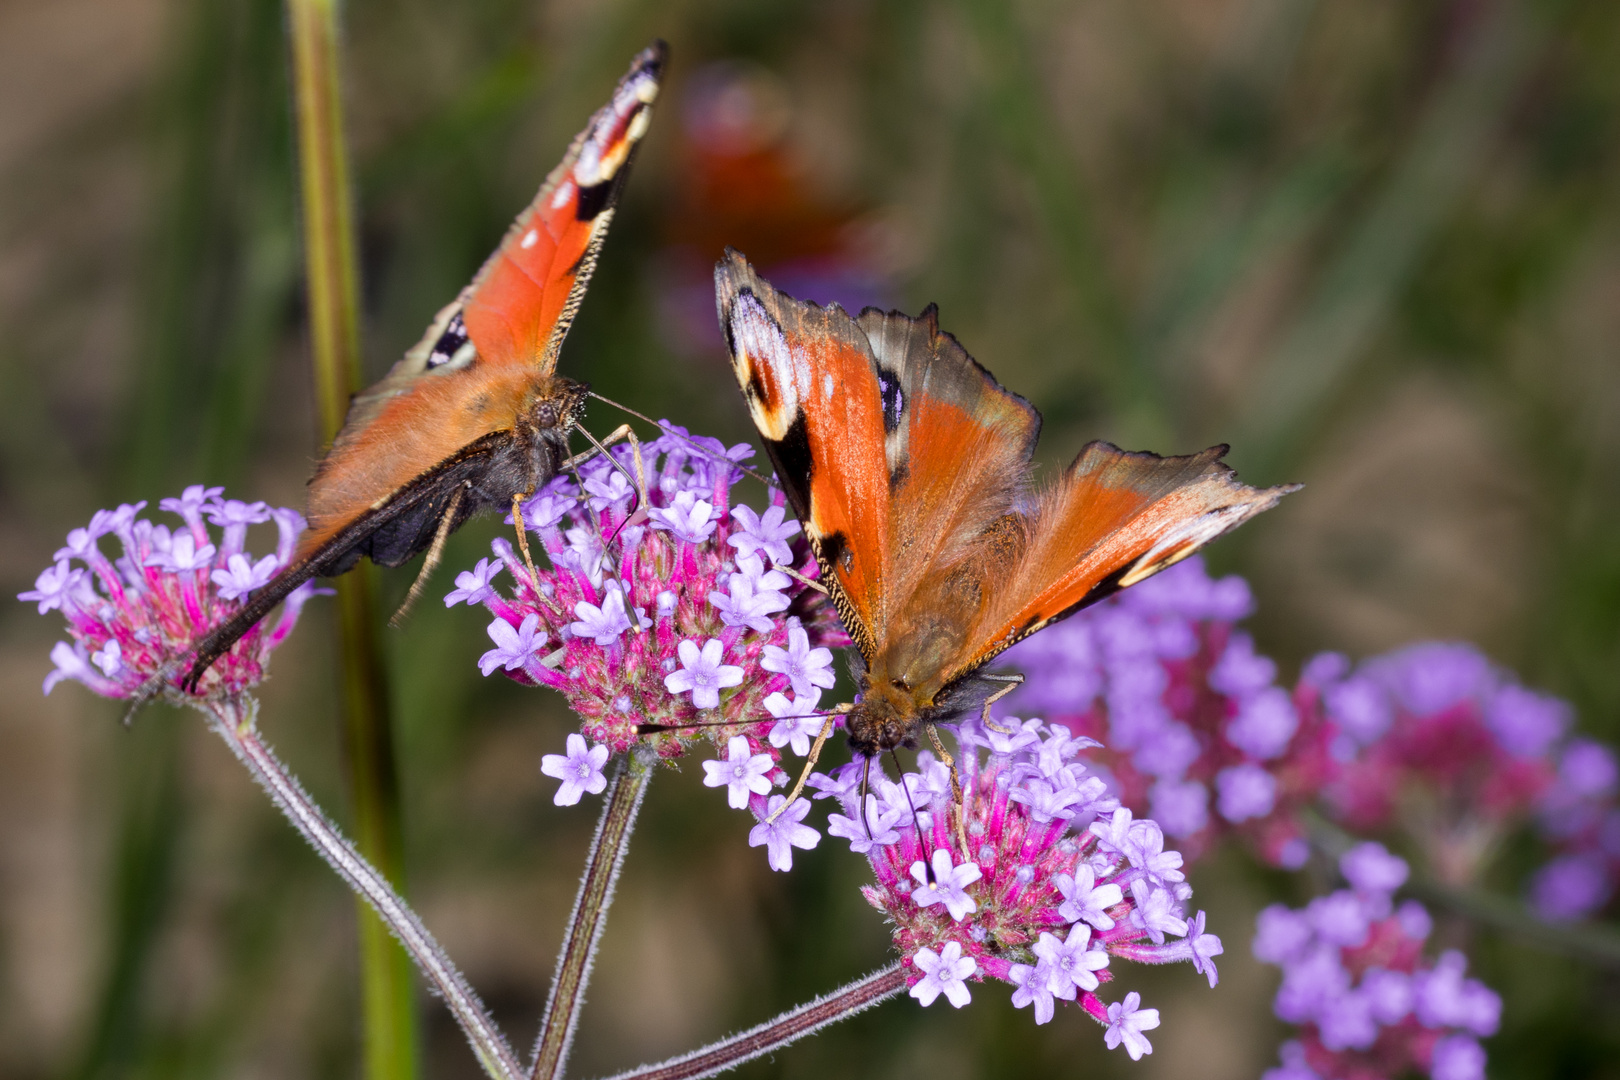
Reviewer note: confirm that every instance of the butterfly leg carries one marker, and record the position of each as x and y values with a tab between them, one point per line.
810	762
435	553
523	538
1012	682
621	432
958	826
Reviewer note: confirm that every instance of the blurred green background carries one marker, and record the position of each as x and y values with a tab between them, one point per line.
1375	244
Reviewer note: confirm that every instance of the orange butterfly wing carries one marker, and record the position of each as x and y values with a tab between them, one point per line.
848	408
521	304
488	350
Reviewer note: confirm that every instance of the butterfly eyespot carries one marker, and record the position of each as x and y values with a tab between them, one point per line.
454	347
892	397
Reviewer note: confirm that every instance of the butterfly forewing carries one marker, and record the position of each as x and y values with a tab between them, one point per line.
486	353
524	299
957	450
806	373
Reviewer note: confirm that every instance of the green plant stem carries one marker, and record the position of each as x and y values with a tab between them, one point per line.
773	1034
234	720
389	1008
620	806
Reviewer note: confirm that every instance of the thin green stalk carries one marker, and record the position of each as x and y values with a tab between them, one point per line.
390	1016
619	809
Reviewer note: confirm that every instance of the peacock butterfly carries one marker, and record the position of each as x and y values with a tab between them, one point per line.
474	416
908	466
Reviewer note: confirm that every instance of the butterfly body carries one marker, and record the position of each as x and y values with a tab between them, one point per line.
521	450
909	468
474	414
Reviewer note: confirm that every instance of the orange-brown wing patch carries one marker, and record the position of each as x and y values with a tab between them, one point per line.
1114	519
812	391
496	344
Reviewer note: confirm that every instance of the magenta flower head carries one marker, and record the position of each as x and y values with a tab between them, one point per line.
1357	982
1197	731
667	621
1059	881
131	616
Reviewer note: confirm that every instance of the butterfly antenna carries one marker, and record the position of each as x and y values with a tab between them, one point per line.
596	519
693	443
922	846
654	729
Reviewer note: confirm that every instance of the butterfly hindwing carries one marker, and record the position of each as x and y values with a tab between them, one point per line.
1115	518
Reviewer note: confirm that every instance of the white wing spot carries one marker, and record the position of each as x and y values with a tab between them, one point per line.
530	238
565	191
827	386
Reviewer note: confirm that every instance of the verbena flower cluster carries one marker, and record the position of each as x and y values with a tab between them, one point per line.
1195	727
673	613
131	615
1436	739
1059	879
1355	978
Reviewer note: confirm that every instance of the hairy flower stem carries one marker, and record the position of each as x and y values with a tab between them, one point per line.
234	721
622	803
773	1034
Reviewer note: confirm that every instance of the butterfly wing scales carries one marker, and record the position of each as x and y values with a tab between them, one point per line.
487	351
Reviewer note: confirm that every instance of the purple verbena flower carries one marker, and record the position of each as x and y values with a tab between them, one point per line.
580	770
1042	901
785	833
944	972
742	773
475	586
805	667
137	616
767	532
702	674
515	646
1127	1021
1355	979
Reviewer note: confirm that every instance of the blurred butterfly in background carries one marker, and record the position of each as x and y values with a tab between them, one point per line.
909	468
474	416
